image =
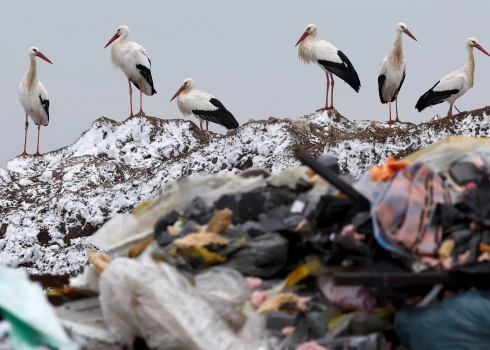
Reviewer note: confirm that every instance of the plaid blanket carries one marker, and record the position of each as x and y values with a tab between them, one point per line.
405	209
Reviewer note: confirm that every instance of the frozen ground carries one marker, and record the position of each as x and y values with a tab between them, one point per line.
50	203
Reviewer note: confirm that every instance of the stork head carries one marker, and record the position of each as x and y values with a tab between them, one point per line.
187	85
473	42
402	28
121	31
310	30
34	51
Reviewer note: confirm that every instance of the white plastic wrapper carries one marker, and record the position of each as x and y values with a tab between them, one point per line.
154	301
224	289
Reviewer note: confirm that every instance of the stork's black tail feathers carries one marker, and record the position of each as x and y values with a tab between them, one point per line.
146	73
432	98
220	115
344	70
225	117
230	122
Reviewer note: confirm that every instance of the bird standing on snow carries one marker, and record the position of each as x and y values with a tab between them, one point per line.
453	85
34	97
203	106
392	71
329	58
134	62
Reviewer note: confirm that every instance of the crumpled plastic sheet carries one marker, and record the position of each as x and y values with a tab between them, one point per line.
441	157
154	301
114	232
224	289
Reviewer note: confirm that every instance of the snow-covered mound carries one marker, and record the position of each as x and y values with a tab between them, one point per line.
50	203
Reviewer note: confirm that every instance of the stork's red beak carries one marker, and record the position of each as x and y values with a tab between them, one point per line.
410	34
178	92
305	34
112	39
478	46
40	55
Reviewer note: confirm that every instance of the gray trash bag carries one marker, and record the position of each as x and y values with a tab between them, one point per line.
262	256
224	289
459	323
154	301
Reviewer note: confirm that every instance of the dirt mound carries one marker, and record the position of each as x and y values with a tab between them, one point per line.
50	203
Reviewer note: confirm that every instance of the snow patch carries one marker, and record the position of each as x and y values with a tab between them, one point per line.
49	204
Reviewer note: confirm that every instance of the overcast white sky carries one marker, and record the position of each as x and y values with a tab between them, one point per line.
241	52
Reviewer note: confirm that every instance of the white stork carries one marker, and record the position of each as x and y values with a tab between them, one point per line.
34	97
392	71
453	85
134	62
203	106
329	58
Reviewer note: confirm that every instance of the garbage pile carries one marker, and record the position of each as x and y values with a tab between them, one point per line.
305	259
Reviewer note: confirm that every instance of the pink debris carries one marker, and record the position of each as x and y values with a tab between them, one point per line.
311	345
348	231
258	297
478	162
349	297
287	330
301	303
254	282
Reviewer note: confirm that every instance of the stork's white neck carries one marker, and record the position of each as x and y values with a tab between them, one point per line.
305	49
30	77
181	102
396	53
469	67
186	91
116	50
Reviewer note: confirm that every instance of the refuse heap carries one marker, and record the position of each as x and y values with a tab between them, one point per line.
306	258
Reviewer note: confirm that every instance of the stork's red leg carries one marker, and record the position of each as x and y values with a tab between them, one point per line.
390	122
141	97
333	84
38	134
396	104
328	89
207	125
130	99
25	138
450	112
326	99
200	124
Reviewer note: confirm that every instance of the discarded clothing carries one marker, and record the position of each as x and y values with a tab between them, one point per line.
406	209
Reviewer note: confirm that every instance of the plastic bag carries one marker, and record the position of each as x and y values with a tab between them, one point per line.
116	234
262	256
440	155
458	323
32	319
154	301
86	280
224	289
